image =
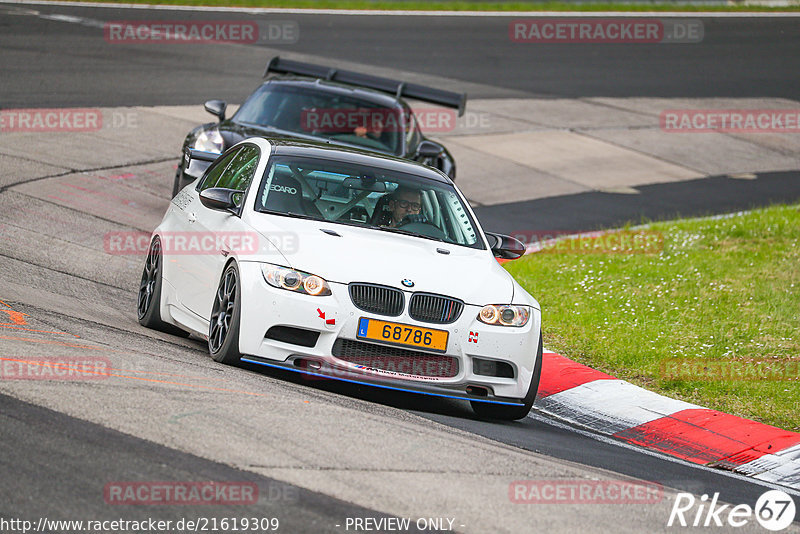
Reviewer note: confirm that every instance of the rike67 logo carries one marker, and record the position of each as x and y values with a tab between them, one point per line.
774	510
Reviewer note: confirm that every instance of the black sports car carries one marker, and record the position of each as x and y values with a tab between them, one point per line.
315	102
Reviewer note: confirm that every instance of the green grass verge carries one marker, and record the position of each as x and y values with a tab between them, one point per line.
456	5
723	296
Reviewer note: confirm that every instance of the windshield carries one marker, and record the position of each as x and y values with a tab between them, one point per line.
325	114
359	195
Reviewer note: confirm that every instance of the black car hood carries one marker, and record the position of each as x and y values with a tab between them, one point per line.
233	132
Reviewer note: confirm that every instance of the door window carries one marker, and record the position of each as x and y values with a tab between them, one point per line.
216	170
238	174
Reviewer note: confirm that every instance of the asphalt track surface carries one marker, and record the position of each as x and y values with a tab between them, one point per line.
32	434
53	461
597	210
55	63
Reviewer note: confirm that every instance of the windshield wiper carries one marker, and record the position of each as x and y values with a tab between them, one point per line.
357	224
354	223
406	232
291	214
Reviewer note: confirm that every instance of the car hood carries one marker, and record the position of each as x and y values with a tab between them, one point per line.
344	254
233	132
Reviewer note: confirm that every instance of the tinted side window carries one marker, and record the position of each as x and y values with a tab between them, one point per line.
216	170
238	174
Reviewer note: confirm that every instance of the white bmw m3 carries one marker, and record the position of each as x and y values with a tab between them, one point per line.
346	265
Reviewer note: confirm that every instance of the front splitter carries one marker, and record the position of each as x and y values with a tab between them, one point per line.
345	375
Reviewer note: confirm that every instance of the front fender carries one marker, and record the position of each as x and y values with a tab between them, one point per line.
196	168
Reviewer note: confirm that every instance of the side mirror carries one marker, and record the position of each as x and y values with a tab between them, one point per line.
192	154
428	149
504	246
216	108
221	199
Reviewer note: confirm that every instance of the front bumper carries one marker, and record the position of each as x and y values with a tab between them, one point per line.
336	317
195	170
327	371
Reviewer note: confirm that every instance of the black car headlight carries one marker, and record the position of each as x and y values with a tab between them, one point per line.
505	315
293	280
209	141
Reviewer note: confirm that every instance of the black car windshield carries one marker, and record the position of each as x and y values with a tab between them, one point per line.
353	194
325	114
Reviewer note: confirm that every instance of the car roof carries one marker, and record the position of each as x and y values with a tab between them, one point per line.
321	150
372	95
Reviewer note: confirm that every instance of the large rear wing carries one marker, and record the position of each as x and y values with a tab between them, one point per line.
399	89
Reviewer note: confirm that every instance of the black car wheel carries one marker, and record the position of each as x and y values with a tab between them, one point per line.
149	301
223	330
511	413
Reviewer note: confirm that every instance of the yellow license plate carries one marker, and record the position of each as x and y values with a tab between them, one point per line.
402	334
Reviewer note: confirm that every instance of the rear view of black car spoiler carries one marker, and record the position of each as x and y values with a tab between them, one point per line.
410	90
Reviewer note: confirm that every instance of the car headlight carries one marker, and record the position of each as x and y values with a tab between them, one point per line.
292	280
504	315
209	141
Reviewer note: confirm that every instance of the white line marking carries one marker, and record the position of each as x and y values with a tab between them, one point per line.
393	13
782	467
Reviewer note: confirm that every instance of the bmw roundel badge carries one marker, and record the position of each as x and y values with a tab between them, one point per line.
408	283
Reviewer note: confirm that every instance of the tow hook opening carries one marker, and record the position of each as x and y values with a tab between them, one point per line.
305	363
478	391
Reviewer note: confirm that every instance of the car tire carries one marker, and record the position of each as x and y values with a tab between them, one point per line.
223	328
511	413
149	299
